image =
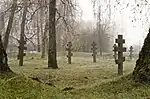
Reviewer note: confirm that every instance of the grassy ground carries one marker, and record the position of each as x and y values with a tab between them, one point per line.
80	80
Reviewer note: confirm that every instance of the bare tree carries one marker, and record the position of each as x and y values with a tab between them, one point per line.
100	12
38	33
3	59
41	27
22	34
43	30
2	23
10	22
44	40
52	61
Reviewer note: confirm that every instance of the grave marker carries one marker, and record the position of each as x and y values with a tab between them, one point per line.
131	52
120	50
21	48
69	49
94	48
115	51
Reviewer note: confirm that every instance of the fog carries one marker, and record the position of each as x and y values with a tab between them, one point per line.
133	32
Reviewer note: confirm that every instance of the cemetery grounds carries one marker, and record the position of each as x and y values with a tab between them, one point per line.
82	79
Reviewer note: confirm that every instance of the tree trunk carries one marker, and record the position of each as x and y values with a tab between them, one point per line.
10	22
52	60
38	36
22	35
100	42
3	59
141	72
100	32
41	28
2	22
44	40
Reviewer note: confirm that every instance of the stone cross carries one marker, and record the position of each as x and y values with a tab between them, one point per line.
69	49
131	52
21	49
115	51
120	50
94	48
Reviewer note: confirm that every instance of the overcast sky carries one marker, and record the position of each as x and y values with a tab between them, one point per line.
133	35
86	6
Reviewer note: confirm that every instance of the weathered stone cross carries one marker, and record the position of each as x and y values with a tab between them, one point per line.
94	48
120	50
21	48
69	49
115	51
131	52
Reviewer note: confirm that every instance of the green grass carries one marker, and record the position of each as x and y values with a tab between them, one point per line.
88	80
20	87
